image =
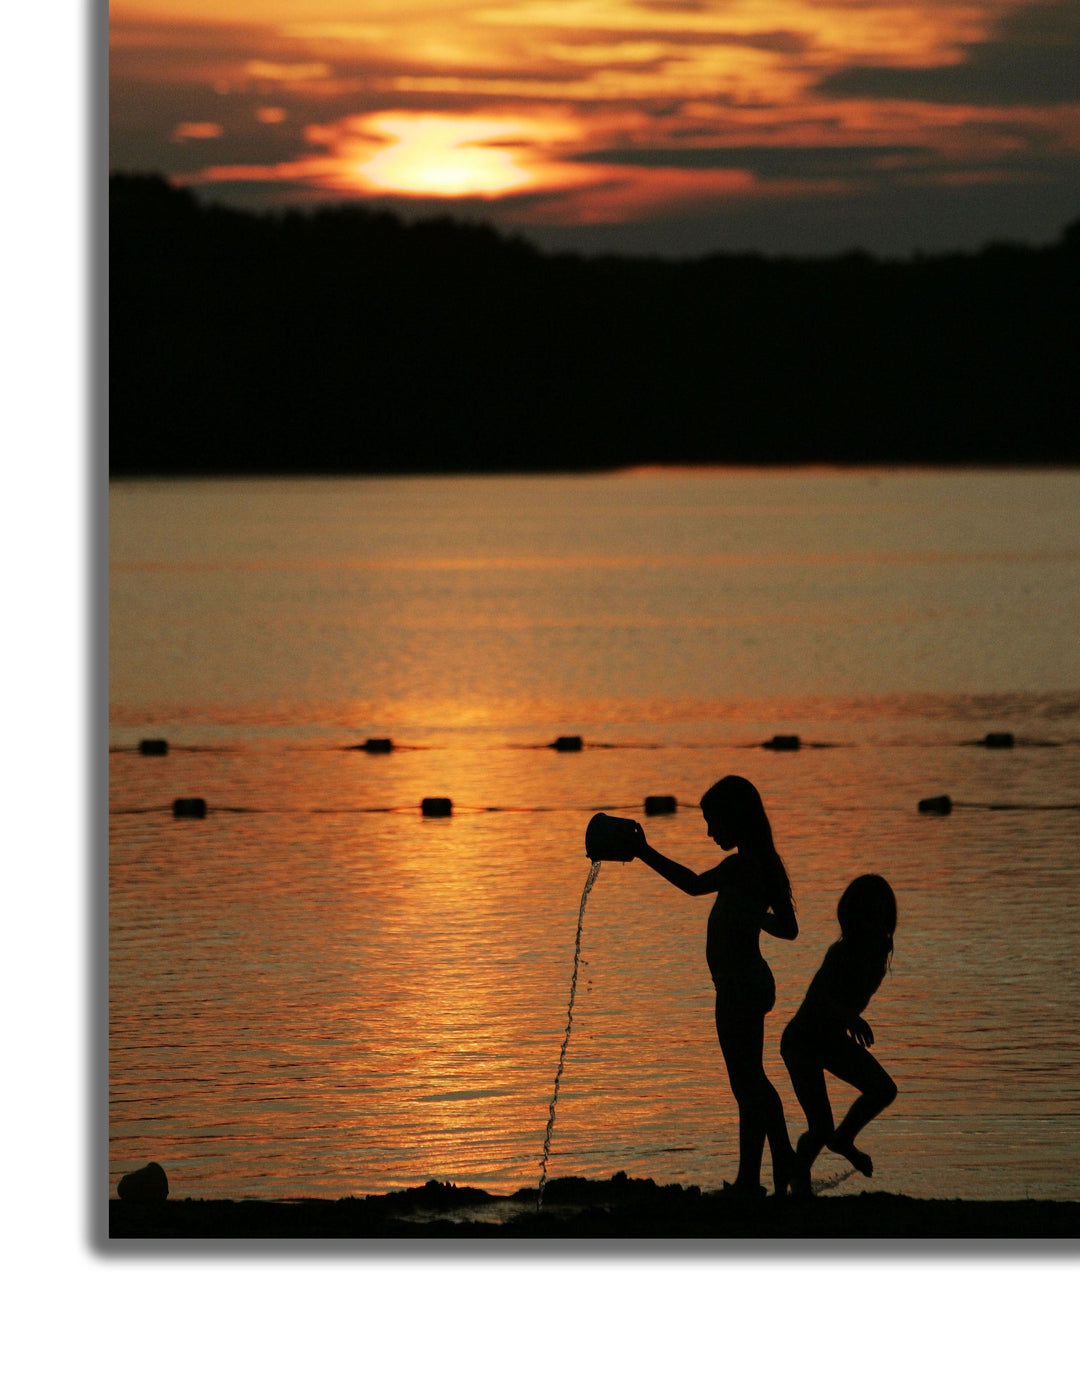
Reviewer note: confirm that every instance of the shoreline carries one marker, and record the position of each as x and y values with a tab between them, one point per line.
580	1208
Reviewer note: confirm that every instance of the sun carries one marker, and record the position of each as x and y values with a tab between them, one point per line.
445	155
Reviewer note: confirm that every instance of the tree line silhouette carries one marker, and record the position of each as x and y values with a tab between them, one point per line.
343	340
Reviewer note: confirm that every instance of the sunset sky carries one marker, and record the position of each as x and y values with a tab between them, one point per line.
670	126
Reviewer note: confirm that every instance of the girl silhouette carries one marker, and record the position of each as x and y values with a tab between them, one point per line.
753	893
829	1034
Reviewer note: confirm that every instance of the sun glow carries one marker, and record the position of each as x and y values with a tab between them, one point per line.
445	155
411	153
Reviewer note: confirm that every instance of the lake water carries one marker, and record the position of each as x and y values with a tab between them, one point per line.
317	991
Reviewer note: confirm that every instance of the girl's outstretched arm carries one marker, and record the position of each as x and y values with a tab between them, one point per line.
680	876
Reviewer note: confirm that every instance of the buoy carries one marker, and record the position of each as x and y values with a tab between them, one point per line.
939	803
148	1186
378	746
436	808
567	743
189	808
998	740
660	803
782	743
153	746
608	838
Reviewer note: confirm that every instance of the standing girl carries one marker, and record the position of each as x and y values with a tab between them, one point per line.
753	893
829	1034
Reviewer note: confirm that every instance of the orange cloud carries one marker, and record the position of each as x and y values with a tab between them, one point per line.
286	72
195	129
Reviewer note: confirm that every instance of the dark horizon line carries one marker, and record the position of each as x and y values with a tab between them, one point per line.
1069	235
227	475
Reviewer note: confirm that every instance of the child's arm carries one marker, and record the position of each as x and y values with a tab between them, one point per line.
780	921
837	1012
832	997
680	876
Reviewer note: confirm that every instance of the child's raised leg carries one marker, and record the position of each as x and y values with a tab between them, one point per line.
861	1069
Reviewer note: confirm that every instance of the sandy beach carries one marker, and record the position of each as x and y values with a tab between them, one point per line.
578	1208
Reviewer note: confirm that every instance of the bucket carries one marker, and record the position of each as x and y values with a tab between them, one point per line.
610	839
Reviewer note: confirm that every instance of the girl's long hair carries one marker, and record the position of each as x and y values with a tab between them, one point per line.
737	801
867	915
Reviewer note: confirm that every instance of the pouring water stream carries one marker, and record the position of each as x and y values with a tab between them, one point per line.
590	880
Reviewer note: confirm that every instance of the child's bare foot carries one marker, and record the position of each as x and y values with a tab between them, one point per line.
800	1169
800	1180
862	1162
785	1172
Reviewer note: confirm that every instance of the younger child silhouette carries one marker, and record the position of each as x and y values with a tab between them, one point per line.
829	1034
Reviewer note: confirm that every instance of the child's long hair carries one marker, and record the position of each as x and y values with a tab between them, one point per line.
867	915
737	801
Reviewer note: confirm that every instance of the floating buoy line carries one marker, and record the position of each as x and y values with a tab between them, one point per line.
435	806
439	806
780	743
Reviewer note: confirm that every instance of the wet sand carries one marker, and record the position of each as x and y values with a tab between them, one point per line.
578	1208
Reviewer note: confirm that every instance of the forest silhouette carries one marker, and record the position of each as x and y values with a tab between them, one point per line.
343	340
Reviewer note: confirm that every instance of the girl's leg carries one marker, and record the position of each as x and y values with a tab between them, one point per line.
737	1046
861	1069
804	1063
761	1112
776	1131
